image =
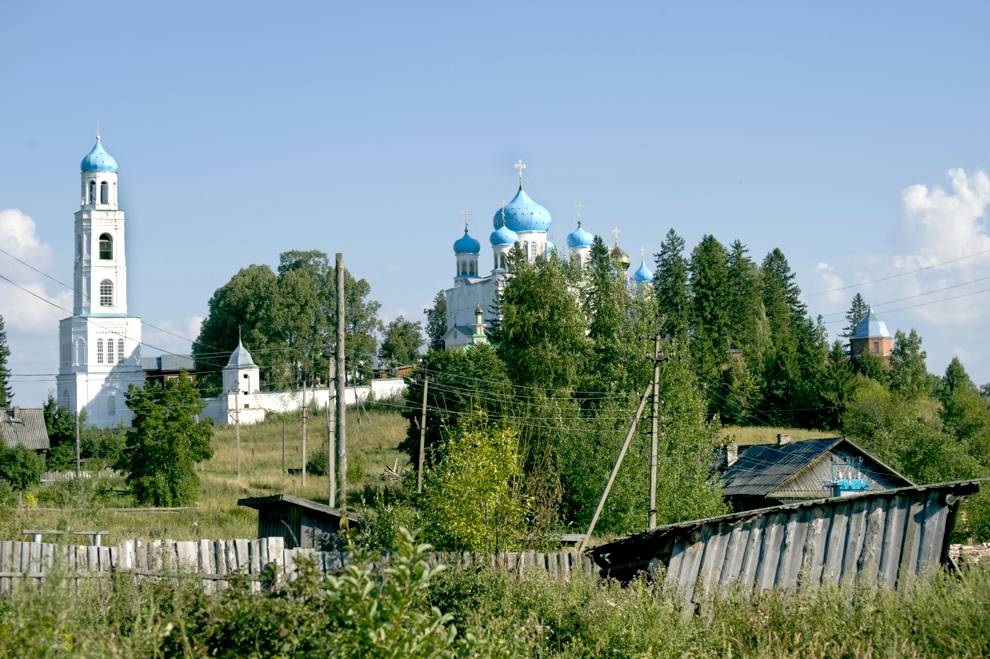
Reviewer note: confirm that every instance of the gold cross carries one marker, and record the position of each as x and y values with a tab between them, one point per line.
580	207
467	218
616	232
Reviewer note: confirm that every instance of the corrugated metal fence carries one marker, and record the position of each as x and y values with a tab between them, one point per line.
217	561
881	537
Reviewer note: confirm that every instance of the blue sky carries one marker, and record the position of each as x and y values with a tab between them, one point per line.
244	129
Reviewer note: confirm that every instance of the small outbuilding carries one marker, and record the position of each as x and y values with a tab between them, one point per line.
301	522
21	427
763	475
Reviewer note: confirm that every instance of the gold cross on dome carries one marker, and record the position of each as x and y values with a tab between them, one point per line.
615	232
580	207
501	205
520	166
467	218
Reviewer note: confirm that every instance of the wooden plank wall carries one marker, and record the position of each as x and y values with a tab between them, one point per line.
216	562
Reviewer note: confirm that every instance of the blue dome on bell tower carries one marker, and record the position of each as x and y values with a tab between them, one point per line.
98	160
466	244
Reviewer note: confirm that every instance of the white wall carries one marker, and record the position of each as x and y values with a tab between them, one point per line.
254	406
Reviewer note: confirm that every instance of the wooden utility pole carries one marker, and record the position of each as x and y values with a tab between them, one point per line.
422	432
654	433
237	423
331	444
78	454
615	469
341	387
304	433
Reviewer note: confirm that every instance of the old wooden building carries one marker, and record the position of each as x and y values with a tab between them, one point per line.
764	475
301	522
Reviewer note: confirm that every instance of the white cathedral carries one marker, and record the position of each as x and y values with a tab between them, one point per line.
100	344
522	222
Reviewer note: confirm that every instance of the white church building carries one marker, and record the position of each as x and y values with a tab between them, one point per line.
100	344
521	222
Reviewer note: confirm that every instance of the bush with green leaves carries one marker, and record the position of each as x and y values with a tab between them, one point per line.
20	467
471	500
165	442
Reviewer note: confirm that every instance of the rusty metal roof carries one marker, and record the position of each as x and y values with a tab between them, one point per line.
876	537
20	427
762	468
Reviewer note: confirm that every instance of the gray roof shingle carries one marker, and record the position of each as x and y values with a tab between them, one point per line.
20	427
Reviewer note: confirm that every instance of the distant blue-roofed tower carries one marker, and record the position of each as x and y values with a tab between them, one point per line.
871	336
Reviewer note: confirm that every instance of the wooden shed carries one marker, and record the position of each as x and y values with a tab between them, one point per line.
301	522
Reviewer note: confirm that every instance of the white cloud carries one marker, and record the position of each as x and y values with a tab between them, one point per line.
22	310
830	281
940	225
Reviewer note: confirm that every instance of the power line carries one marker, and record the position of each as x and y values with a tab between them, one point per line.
870	282
912	297
923	304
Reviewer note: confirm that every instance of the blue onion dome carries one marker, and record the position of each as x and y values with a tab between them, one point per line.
643	275
466	244
503	236
98	160
580	237
523	214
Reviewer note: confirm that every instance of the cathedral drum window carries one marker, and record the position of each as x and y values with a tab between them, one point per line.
120	350
106	293
99	351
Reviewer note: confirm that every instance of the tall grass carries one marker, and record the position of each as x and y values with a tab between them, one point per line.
373	437
410	611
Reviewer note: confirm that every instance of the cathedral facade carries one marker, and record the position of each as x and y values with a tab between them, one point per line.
523	223
100	344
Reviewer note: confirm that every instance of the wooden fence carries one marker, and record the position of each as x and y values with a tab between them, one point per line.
217	561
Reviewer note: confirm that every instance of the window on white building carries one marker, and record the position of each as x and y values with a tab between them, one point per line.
91	199
99	351
120	350
106	293
106	247
104	193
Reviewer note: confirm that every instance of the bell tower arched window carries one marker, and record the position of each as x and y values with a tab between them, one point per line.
106	293
99	351
120	350
104	193
106	247
91	199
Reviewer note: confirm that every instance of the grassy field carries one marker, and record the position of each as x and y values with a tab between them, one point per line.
745	436
372	436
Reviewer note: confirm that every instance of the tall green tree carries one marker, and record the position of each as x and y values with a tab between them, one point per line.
710	318
670	282
615	361
541	337
461	382
786	315
164	442
908	372
436	322
61	428
858	310
288	321
6	391
748	329
838	386
400	345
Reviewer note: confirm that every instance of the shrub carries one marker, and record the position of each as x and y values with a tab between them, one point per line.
20	467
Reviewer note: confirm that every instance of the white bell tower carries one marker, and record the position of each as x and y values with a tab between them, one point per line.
99	345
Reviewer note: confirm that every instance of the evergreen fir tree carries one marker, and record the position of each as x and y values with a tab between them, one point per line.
785	315
6	392
858	310
908	372
837	387
709	269
436	322
670	282
615	349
